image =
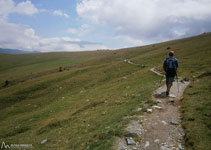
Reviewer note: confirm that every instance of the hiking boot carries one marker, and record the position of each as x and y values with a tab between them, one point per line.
167	93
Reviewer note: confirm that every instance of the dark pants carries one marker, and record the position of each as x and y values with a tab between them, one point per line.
170	78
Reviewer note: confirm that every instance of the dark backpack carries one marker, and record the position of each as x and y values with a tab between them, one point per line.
170	65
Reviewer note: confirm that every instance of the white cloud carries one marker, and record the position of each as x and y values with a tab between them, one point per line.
134	41
60	13
128	39
8	6
14	36
21	37
153	19
72	31
82	30
26	8
179	33
85	27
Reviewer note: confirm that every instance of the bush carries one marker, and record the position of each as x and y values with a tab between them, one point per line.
6	83
60	69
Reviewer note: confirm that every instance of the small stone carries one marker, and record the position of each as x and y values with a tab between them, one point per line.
146	144
138	109
130	141
159	101
134	148
180	147
131	135
165	123
157	141
174	122
44	141
143	66
170	101
162	144
160	88
172	96
149	110
125	78
157	107
103	113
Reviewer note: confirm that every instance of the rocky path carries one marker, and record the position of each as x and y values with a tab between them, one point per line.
159	128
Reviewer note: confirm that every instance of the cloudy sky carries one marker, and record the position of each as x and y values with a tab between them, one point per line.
78	25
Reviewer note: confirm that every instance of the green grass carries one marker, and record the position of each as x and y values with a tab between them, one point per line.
84	106
197	114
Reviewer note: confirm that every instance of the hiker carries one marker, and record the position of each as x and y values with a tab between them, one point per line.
170	66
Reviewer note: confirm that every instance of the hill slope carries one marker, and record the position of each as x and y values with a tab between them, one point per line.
83	97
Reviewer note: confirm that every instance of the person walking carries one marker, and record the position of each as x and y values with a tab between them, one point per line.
170	66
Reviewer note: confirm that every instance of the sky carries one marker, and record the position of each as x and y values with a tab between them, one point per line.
82	25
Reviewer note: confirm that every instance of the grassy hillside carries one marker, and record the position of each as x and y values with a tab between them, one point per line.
84	105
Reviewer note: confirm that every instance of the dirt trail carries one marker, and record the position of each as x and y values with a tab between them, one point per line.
160	129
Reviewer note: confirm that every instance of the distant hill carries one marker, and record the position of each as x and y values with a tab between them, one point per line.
15	51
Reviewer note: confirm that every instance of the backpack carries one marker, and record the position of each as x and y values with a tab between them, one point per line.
171	66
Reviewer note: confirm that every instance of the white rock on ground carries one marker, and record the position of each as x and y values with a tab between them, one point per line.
172	96
157	107
149	110
130	141
159	101
157	141
146	144
44	141
138	109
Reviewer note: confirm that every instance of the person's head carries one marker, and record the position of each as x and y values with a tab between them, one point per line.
171	53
